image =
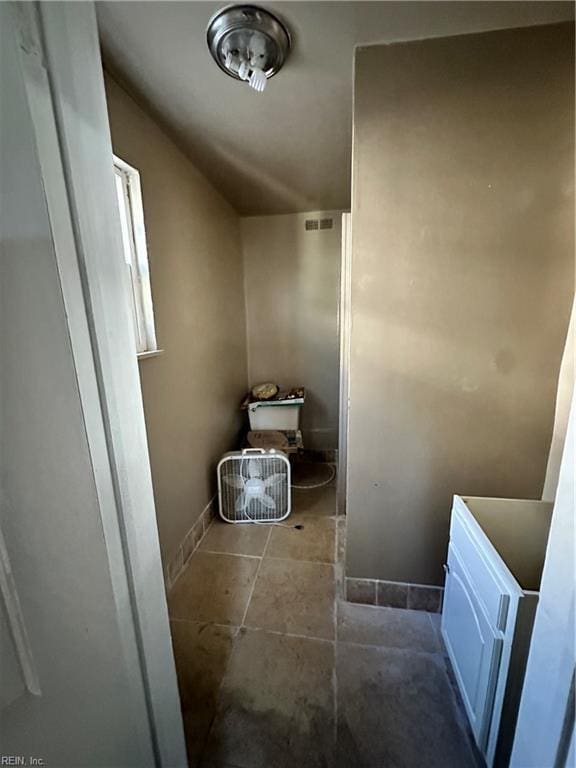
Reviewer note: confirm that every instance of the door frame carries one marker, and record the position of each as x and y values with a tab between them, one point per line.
345	317
63	74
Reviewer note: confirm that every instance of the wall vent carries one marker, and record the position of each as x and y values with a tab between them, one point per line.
315	224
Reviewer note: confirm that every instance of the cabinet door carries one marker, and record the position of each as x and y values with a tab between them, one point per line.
474	648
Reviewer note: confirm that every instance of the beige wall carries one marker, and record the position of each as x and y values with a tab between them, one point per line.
562	412
192	391
463	272
292	294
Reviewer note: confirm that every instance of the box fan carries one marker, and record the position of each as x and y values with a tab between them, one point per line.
254	486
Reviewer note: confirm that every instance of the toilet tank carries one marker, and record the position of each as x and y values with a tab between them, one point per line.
281	415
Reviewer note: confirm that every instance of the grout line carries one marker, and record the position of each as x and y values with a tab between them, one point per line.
232	554
256	578
296	560
397	583
306	562
397	648
260	557
265	550
288	634
176	620
253	629
392	608
336	640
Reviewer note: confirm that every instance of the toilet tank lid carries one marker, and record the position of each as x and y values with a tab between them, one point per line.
297	401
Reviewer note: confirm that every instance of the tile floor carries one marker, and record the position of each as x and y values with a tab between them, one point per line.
275	671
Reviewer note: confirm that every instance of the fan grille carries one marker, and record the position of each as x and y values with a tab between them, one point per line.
255	511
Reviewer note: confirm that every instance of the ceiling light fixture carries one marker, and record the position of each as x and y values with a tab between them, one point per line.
248	43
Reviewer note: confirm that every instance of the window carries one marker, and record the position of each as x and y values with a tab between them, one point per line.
135	255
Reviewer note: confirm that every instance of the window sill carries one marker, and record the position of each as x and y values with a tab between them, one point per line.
152	353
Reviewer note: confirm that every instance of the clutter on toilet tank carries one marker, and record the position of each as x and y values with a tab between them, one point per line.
279	410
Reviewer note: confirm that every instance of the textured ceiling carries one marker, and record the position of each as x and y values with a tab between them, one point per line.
289	148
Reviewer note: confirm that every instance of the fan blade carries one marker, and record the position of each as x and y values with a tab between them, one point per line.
241	502
267	501
273	480
254	468
235	481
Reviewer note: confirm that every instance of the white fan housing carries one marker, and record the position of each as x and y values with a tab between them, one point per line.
254	486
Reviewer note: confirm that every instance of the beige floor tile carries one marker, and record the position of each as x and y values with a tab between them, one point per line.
294	597
319	501
309	473
213	588
389	627
238	539
315	541
201	653
396	708
276	708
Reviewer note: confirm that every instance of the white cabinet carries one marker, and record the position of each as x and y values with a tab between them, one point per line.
474	645
494	565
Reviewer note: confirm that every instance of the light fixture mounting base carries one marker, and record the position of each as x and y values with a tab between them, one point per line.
250	33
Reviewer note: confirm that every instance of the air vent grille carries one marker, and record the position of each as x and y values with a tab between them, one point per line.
312	225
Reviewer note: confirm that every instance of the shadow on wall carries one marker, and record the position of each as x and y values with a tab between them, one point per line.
192	392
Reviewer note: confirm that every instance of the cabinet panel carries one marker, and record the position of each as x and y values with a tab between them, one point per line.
487	586
473	645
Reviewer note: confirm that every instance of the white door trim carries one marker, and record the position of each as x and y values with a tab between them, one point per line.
65	90
345	328
16	623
